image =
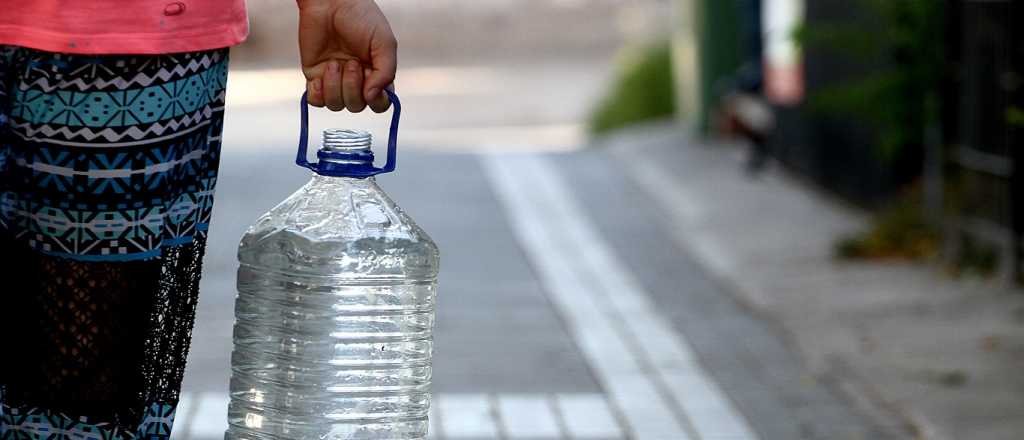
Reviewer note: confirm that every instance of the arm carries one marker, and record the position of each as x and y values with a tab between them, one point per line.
348	52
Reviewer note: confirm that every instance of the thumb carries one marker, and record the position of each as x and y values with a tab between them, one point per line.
384	64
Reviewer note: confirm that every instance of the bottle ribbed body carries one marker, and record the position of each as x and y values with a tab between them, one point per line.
333	319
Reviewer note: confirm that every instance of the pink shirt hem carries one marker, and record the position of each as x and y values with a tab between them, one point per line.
223	36
122	26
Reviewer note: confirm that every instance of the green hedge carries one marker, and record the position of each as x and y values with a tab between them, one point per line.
642	91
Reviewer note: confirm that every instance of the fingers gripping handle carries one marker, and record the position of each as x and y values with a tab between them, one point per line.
389	166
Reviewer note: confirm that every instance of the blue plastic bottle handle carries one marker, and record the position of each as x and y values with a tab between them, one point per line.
389	166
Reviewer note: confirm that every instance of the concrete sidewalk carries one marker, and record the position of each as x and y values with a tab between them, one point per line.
914	348
567	311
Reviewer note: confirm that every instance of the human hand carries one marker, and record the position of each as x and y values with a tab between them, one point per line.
349	54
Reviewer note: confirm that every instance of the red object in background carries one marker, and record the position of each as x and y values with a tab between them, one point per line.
783	57
784	85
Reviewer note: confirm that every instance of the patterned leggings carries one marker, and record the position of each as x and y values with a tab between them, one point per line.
107	171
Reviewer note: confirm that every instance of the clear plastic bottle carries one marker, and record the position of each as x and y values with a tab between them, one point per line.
335	311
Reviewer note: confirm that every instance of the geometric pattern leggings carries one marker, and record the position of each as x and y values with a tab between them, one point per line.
107	170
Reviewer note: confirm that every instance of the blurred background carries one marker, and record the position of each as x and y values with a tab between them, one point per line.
681	219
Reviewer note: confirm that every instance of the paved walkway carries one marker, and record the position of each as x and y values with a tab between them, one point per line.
639	289
567	309
459	416
920	351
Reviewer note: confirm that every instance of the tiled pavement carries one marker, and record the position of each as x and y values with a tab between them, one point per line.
458	416
565	311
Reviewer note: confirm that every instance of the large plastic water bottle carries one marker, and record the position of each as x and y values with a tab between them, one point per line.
335	307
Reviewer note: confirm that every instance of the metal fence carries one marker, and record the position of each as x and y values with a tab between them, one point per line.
985	148
977	149
836	151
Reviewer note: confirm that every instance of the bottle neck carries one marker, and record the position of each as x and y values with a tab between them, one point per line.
343	151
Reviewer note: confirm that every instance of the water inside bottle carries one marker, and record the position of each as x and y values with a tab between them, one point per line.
334	317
